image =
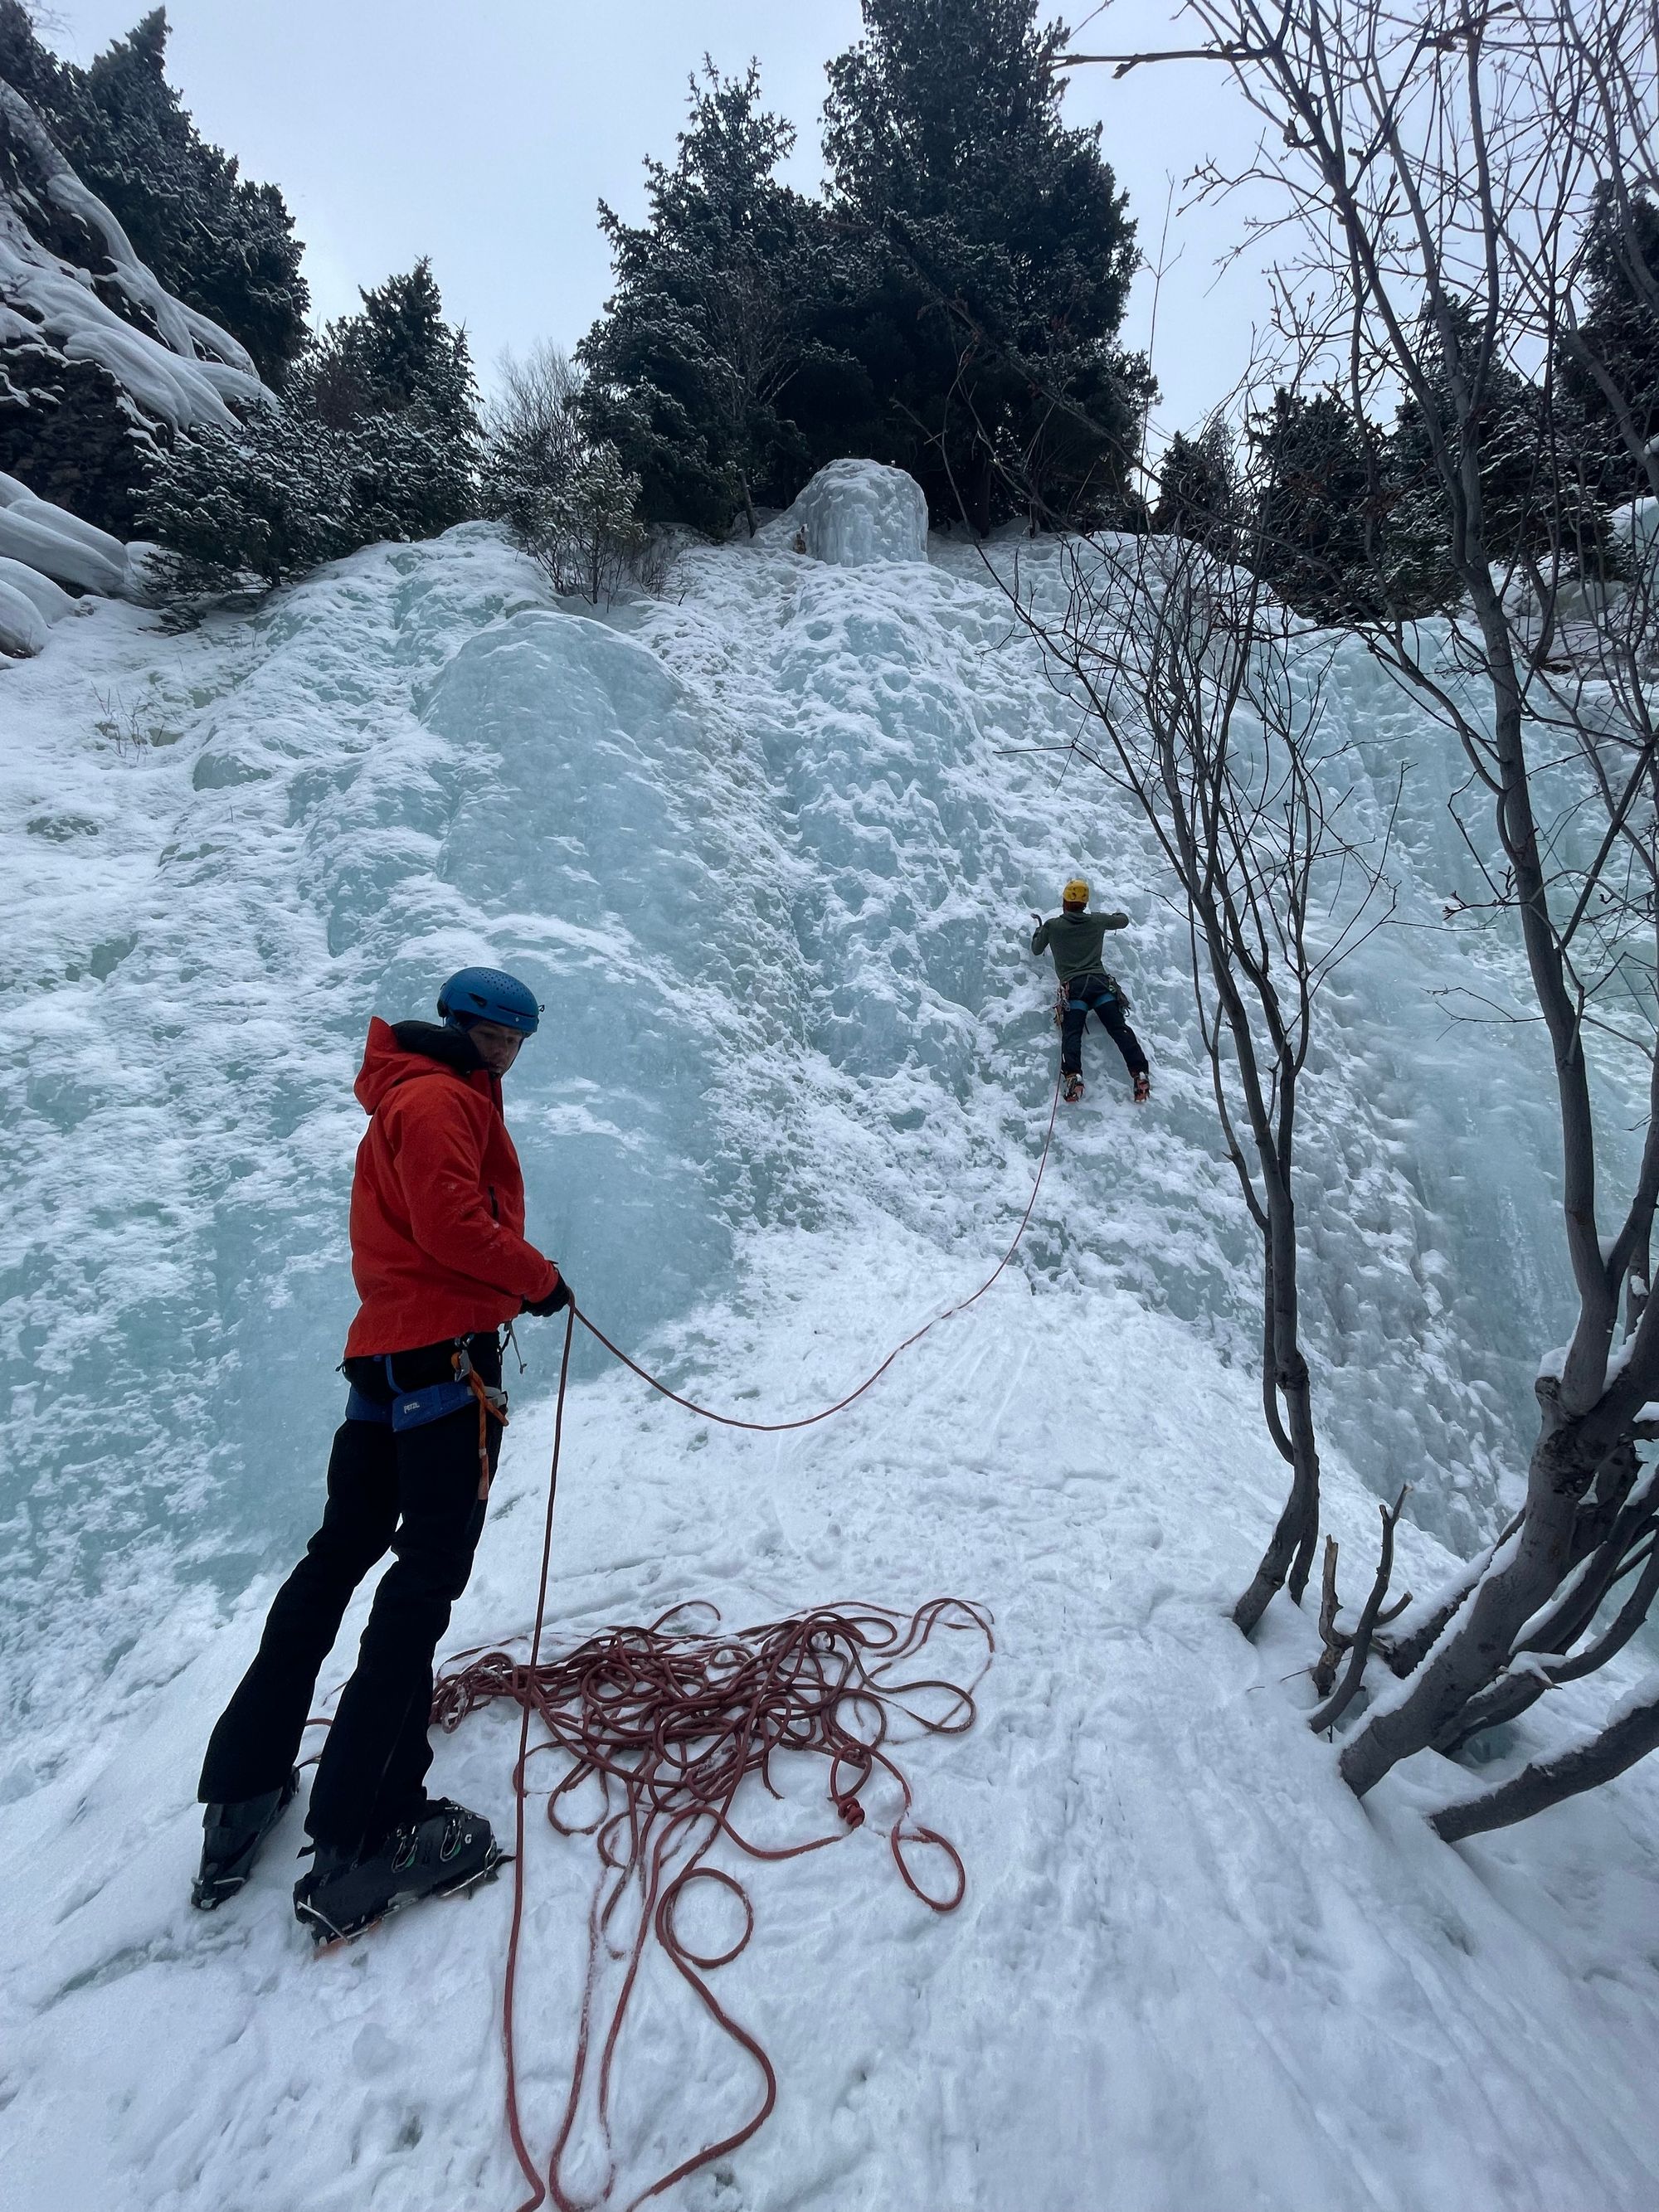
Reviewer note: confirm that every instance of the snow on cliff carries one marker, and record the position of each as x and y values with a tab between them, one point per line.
765	848
177	365
172	369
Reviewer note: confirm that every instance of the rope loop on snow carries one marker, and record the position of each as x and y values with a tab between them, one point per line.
810	1421
670	1721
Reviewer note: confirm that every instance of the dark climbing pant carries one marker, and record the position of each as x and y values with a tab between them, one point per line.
1086	994
416	1495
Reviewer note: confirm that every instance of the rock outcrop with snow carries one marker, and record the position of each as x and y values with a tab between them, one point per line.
42	549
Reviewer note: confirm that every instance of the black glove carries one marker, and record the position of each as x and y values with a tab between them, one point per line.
555	1301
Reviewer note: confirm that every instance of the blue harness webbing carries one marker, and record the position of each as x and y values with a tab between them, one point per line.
409	1409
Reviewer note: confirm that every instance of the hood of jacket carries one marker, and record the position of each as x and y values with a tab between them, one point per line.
406	1052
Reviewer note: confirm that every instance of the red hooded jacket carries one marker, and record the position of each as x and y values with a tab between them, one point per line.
437	1203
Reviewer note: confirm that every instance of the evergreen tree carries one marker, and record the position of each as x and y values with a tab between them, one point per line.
695	367
396	380
218	242
1320	506
1507	425
998	254
1619	331
1197	489
1542	467
398	354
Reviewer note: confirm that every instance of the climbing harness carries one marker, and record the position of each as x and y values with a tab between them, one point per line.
435	1402
492	1406
1064	1002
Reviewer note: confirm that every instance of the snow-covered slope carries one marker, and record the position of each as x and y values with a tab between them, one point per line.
765	848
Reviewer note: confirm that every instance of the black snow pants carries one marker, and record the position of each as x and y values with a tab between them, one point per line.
1086	994
414	1493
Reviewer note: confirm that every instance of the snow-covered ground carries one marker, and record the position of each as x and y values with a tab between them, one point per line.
765	848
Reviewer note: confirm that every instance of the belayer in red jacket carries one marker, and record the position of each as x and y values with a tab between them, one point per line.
439	1256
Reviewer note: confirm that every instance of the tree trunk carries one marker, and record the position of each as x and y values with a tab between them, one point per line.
1476	1647
1547	1780
1477	1650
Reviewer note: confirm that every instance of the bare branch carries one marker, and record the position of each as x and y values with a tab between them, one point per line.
1327	1715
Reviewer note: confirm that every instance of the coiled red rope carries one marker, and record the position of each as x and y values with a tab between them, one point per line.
669	1723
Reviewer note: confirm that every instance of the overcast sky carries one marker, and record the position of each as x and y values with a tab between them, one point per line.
484	134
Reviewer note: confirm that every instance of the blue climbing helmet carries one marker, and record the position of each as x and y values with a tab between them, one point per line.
488	995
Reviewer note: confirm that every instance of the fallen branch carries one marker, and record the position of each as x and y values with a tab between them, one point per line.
1327	1715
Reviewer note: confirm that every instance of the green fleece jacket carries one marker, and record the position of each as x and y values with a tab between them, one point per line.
1076	941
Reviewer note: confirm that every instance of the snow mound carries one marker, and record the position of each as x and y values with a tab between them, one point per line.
29	604
854	514
36	536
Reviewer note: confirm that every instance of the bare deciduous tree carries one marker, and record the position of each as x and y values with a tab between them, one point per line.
566	497
1205	702
1446	173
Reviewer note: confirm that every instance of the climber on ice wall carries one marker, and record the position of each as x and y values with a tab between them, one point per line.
441	1266
1075	938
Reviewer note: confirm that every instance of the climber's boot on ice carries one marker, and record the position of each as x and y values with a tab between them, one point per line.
231	1837
1073	1090
443	1851
1143	1088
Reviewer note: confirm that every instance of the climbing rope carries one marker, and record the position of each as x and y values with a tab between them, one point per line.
669	1723
809	1421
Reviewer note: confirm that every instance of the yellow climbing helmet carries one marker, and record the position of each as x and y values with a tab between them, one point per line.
1076	893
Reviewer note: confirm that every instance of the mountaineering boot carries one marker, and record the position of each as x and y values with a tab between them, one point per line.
231	1837
1073	1090
1143	1088
443	1852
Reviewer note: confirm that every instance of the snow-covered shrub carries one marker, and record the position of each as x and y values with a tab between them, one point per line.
376	438
231	510
568	500
407	477
262	505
